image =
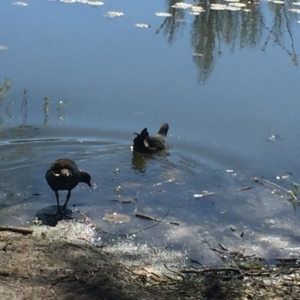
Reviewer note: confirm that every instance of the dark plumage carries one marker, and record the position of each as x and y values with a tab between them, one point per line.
144	143
64	175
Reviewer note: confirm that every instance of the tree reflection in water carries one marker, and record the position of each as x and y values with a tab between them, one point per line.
253	26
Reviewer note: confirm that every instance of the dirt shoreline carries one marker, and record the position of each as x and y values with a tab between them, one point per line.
45	265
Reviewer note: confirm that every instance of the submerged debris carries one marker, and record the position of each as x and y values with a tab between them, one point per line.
246	188
116	218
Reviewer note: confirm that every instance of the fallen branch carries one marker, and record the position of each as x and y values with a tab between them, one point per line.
16	229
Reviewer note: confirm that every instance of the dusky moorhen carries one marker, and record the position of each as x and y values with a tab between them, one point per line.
65	175
144	143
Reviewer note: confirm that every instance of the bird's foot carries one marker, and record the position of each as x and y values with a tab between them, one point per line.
64	212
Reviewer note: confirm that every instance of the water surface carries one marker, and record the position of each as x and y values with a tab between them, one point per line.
226	82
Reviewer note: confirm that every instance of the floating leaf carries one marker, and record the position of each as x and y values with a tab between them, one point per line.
205	194
278	177
116	218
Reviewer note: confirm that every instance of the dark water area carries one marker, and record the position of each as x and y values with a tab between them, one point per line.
80	83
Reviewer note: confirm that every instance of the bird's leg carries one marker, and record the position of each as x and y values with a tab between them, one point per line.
67	200
59	211
57	200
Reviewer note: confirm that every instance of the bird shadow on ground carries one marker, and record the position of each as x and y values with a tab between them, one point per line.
50	216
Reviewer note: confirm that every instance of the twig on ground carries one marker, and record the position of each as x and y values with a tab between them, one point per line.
177	273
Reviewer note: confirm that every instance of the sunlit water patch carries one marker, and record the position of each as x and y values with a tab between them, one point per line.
177	200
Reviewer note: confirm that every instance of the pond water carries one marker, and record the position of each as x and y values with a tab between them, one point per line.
79	83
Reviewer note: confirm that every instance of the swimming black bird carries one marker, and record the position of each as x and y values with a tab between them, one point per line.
65	175
144	143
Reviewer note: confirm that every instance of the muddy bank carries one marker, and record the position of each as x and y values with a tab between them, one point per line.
54	264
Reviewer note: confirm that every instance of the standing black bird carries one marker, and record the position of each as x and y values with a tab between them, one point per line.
64	175
144	143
